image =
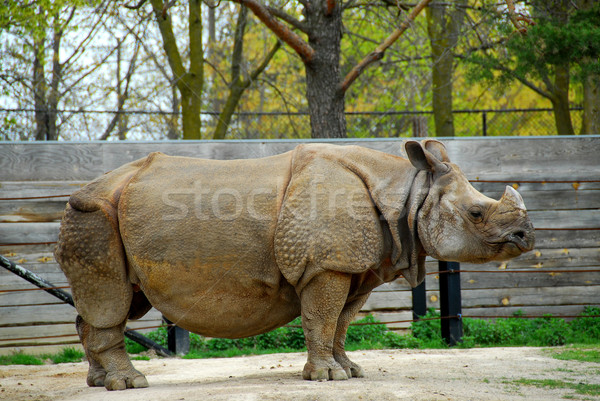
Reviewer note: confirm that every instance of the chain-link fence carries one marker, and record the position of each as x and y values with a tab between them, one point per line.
19	124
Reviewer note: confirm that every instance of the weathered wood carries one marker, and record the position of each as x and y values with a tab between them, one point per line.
535	310
479	157
49	169
41	210
36	280
566	199
546	296
22	233
20	189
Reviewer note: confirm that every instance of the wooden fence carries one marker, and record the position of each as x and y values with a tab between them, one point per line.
559	178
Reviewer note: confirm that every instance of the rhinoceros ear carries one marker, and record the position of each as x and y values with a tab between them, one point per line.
437	149
423	159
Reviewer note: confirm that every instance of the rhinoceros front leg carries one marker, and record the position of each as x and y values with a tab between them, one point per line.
322	302
109	363
339	353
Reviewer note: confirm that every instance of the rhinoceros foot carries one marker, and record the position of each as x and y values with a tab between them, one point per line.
95	377
354	370
121	380
326	370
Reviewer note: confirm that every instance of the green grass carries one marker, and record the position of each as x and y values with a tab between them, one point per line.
577	354
66	355
20	359
544	331
580	388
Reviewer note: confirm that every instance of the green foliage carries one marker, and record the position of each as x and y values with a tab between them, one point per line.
20	359
580	388
548	43
426	333
586	329
429	331
66	355
581	355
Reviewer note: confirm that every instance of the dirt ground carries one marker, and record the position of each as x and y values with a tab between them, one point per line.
472	374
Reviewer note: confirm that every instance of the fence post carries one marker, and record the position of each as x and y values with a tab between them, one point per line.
450	302
178	339
484	123
419	301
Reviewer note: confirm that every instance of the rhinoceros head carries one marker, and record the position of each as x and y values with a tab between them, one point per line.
458	223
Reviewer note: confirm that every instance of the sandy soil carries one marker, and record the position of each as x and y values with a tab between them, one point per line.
474	374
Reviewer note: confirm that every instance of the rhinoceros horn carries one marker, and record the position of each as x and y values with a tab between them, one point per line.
512	197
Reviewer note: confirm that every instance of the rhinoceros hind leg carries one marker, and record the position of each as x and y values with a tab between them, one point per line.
109	363
96	372
322	301
339	353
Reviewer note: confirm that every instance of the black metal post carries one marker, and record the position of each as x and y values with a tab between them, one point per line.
419	301
484	123
450	302
178	339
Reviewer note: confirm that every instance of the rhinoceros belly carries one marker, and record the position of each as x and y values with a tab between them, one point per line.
198	235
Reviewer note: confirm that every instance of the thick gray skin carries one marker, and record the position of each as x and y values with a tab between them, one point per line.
237	248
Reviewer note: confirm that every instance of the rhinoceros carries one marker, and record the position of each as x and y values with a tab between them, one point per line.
237	248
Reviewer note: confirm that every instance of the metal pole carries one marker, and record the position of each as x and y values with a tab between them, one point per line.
67	298
450	302
178	339
484	122
419	301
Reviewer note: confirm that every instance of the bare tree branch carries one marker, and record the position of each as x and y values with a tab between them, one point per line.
301	47
215	69
261	67
137	6
300	25
379	52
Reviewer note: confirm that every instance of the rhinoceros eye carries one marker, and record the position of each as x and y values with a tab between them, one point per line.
476	214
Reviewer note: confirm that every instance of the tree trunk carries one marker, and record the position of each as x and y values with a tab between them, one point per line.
53	96
560	101
39	91
443	27
591	105
195	78
189	83
325	101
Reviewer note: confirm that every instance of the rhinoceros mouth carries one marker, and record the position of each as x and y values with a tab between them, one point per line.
519	239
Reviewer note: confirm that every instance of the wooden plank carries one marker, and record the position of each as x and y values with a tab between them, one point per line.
41	210
16	233
40	349
545	296
471	281
46	162
46	314
388	301
561	219
567	239
403	316
557	310
479	157
20	189
568	199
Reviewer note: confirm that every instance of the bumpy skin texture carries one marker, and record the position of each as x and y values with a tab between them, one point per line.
237	248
